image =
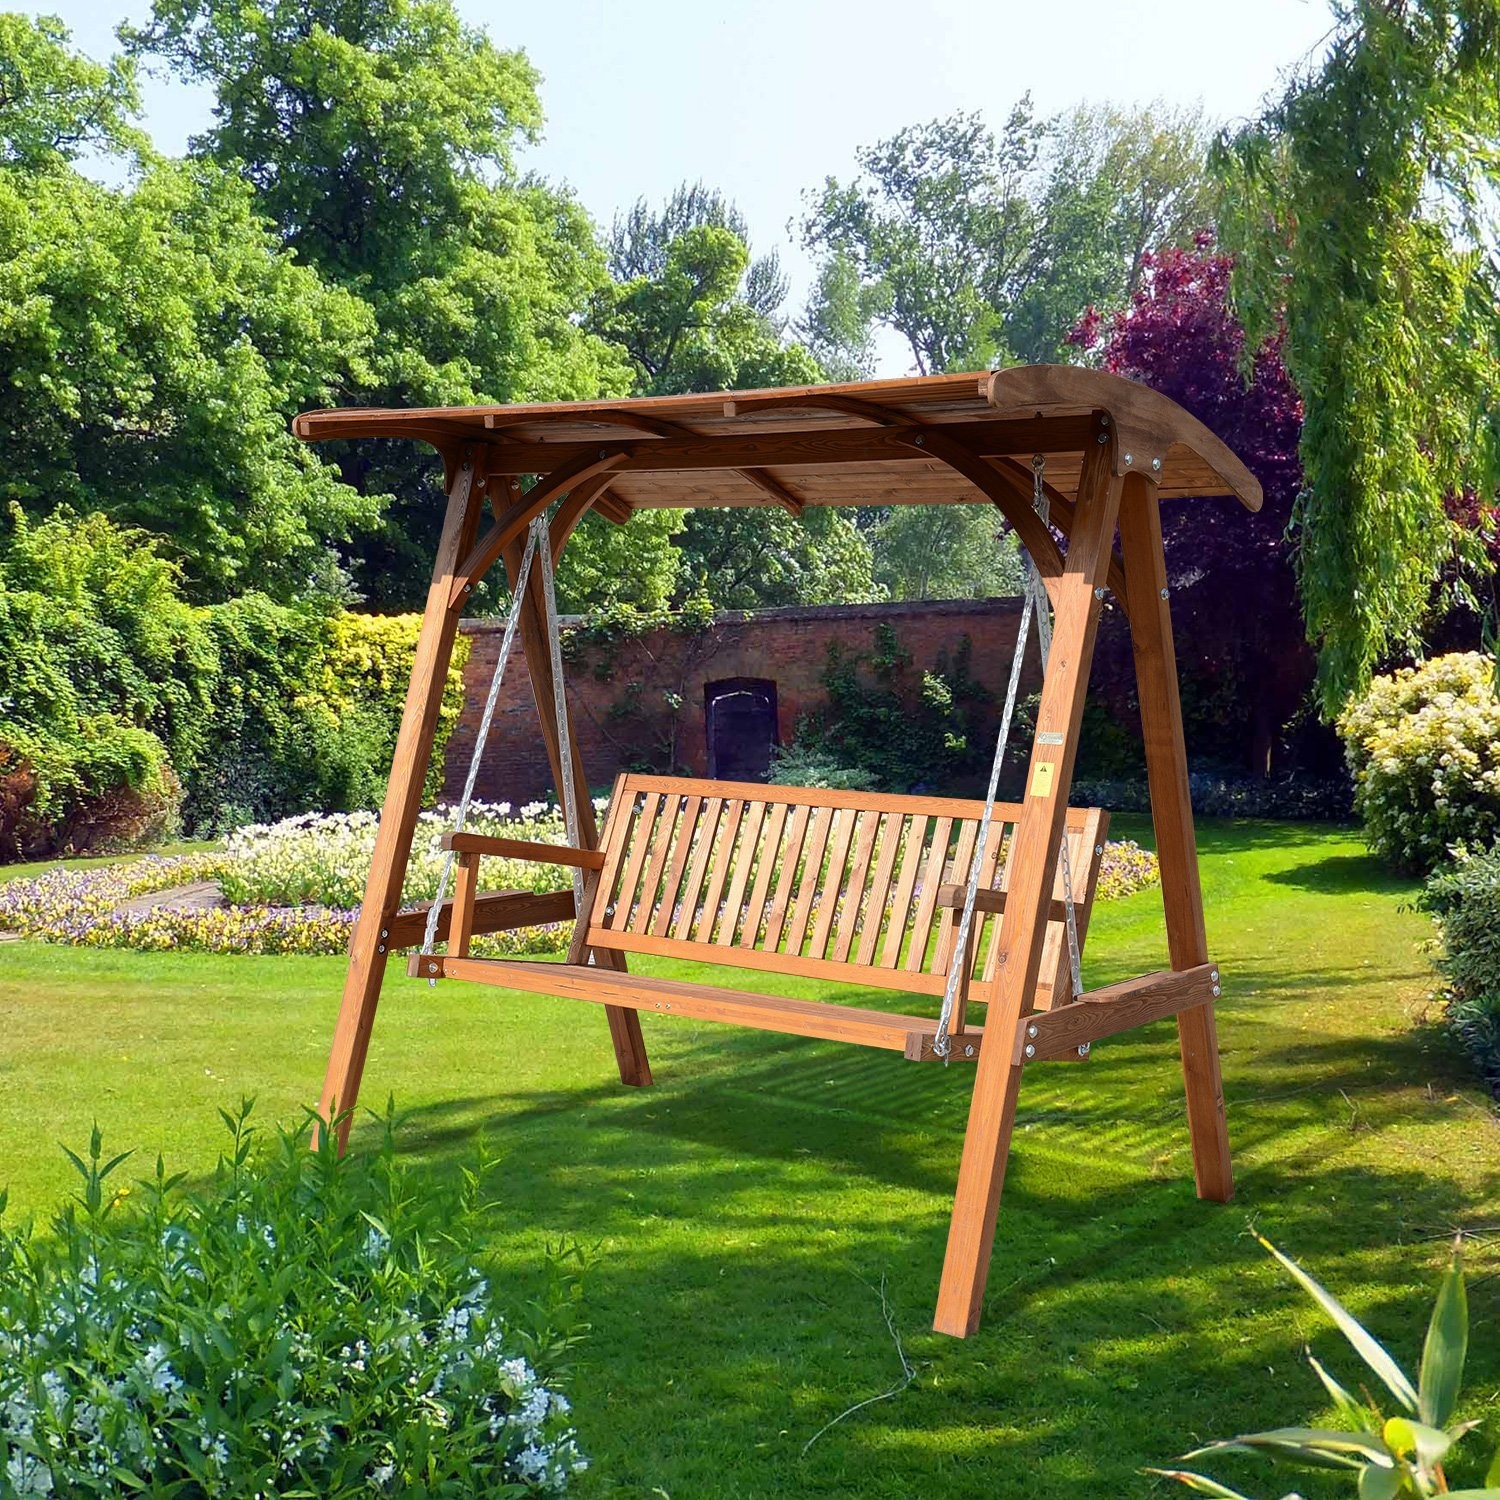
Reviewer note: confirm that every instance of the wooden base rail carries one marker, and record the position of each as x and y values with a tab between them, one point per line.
1058	1034
1042	1036
530	849
499	911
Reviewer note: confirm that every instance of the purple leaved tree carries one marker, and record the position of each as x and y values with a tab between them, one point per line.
1242	651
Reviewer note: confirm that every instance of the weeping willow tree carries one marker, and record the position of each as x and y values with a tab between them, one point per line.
1361	206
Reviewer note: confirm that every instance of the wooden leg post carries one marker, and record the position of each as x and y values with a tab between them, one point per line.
624	1025
1033	868
403	801
1172	814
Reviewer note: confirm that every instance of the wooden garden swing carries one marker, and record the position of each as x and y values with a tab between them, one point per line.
973	902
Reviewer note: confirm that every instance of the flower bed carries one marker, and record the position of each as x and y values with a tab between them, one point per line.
295	887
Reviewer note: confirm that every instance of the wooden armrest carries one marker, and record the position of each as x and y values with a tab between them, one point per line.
953	895
529	849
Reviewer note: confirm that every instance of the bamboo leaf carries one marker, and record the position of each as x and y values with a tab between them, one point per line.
1363	1342
1349	1408
1204	1485
1446	1347
1316	1447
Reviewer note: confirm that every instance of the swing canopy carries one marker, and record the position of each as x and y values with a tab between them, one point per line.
977	902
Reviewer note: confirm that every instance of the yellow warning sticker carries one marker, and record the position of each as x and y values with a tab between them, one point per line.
1041	778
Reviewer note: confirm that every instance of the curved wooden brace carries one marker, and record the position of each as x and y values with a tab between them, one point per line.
767	483
486	552
1010	473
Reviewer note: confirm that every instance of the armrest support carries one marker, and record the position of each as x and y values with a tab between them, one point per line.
528	849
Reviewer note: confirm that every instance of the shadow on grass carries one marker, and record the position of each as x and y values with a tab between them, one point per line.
748	1210
1343	875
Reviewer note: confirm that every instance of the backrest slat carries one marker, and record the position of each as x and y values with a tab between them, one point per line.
765	867
812	870
639	842
878	899
730	828
786	879
833	879
854	892
742	859
708	833
682	847
932	877
912	841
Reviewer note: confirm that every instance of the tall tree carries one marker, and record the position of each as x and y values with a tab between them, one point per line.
55	104
980	246
945	552
1241	648
156	341
380	136
1362	208
693	314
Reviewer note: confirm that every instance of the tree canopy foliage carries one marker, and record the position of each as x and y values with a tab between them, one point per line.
982	247
1361	205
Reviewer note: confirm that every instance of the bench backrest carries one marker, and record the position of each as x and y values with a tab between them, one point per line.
831	885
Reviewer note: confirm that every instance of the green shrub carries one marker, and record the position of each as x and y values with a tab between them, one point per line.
1424	747
902	728
300	1326
1464	897
811	765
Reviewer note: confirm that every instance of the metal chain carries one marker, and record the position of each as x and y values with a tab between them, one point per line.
462	813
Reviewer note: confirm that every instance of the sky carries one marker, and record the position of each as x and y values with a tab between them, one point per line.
764	101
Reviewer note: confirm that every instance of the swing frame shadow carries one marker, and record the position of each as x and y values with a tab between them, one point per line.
1111	450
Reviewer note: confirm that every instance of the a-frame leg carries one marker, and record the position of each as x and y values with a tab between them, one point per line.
1032	873
624	1025
1172	814
403	801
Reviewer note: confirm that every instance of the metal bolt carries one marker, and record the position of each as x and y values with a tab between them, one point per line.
969	1051
1031	1031
1165	593
1098	593
385	932
1030	1050
1083	1049
1103	418
1213	974
920	440
604	453
1156	464
1102	438
1098	848
1216	992
432	968
380	947
1129	459
467	466
468	588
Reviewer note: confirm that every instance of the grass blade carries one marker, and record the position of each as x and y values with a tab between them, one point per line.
1204	1485
1364	1343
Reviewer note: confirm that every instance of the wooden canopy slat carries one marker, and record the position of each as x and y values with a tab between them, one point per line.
837	445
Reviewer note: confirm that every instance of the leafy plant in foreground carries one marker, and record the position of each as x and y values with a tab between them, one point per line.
303	1325
1391	1458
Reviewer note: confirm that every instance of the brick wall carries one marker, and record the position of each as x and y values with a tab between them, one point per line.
622	698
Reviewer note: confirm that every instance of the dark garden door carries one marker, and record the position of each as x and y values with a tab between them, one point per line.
740	713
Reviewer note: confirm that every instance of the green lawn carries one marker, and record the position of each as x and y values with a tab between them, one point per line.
745	1212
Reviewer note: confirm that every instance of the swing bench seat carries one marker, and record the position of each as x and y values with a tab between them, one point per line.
851	887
